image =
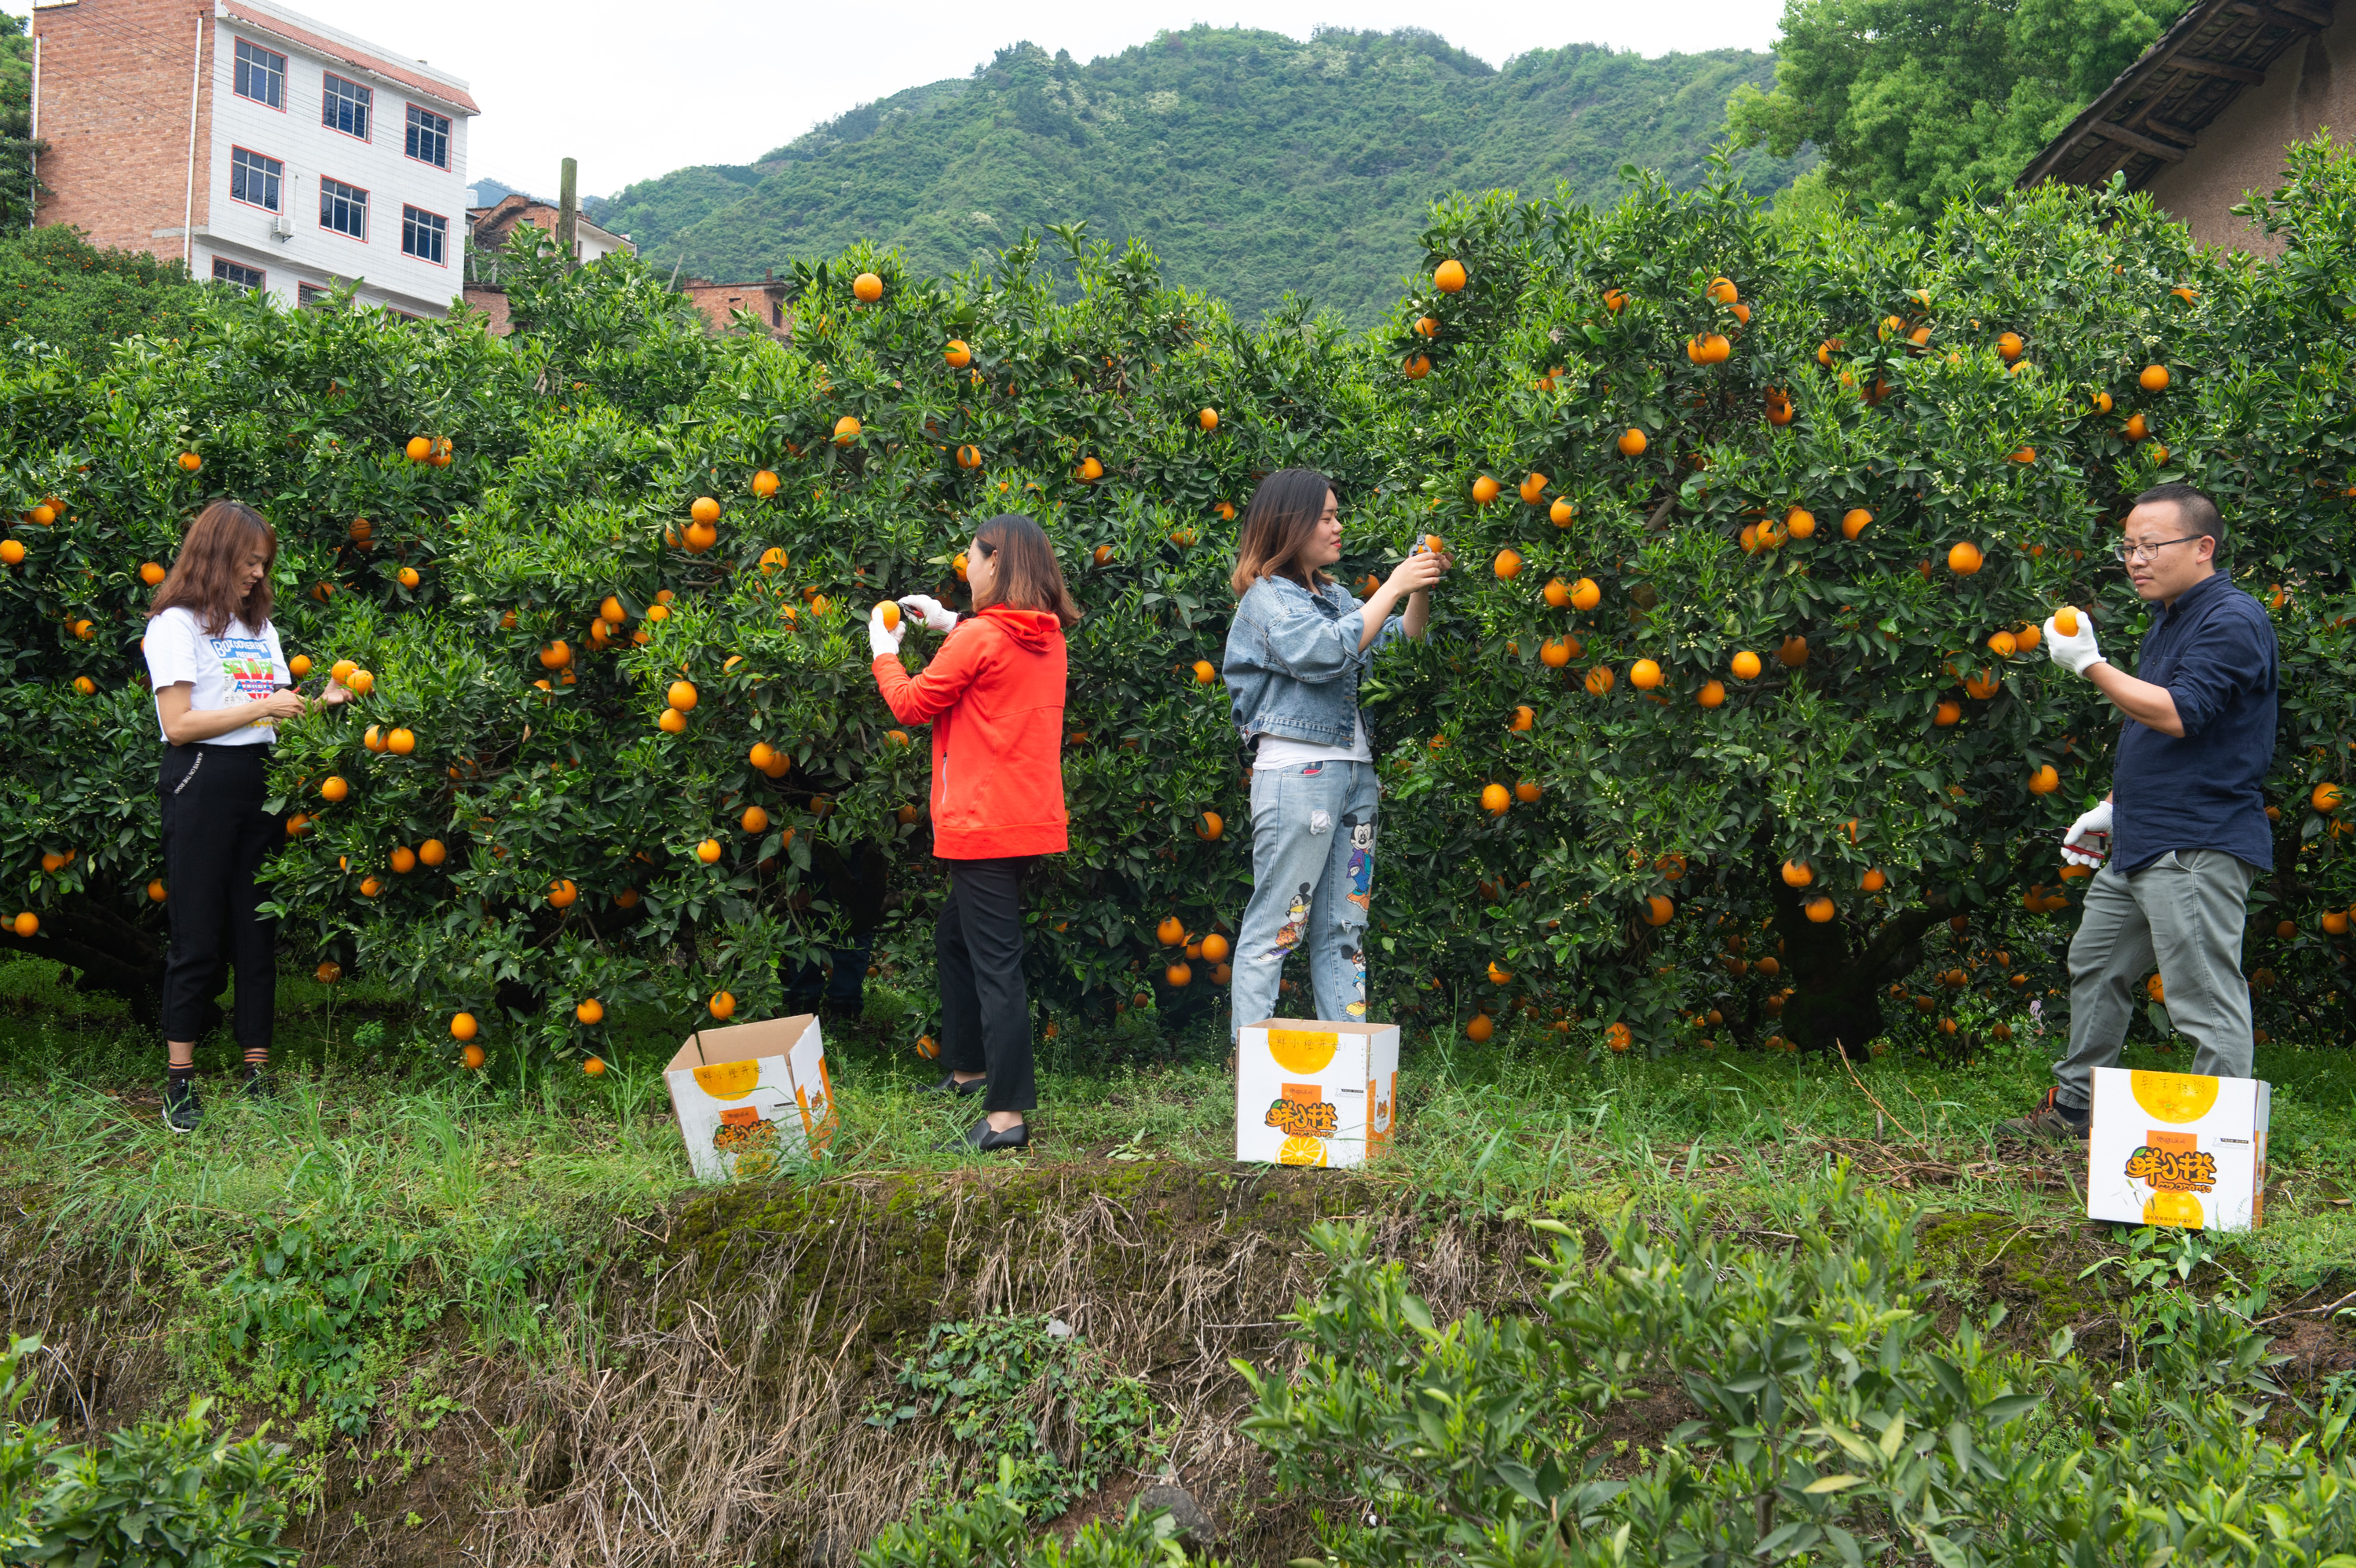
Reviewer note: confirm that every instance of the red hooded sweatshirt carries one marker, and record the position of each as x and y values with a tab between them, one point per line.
994	696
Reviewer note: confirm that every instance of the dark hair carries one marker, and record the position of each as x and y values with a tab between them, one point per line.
203	577
1029	576
2194	509
1284	514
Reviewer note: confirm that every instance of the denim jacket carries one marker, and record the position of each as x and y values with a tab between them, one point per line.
1293	661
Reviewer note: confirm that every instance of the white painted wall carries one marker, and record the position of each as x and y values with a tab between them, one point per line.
312	150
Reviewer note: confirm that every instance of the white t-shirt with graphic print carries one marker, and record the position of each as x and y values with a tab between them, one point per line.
239	666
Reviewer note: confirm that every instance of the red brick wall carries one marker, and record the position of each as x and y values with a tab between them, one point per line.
717	301
114	113
492	302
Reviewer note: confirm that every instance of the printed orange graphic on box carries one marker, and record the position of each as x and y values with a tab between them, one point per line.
751	1096
2177	1148
1313	1093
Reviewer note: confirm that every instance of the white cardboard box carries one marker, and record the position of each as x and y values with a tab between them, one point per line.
1311	1092
750	1095
2177	1148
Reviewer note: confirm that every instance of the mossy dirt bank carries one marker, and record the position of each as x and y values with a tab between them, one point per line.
695	1384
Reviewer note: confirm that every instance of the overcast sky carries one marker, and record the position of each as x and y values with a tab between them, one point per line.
637	90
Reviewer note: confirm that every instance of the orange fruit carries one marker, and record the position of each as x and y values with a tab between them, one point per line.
1600	681
1818	909
1794	653
2044	781
1659	911
1555	652
704	509
846	429
672	722
552	656
11	553
1632	442
1212	828
1528	791
1204	672
1619	1037
2335	922
2009	346
764	483
1964	558
562	892
404	859
462	1027
957	353
1873	882
1585	594
1089	471
400	742
682	695
590	1011
28	924
86	686
1644	675
334	788
594	1066
1853	522
1561	512
891	614
755	820
1170	932
707	851
419	448
1800	523
2154	378
2003	644
1216	948
1556	592
1533	488
1179	975
1722	290
1796	874
1746	666
407	577
723	1006
2326	797
1479	1029
1508	565
1614	298
928	1048
157	891
867	288
1712	694
1946	713
1495	798
1484	490
361	683
1449	276
2065	621
1208	419
1524	716
1417	366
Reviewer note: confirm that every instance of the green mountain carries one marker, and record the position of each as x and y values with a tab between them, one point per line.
1253	164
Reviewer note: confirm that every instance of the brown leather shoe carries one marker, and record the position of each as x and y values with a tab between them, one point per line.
2047	1123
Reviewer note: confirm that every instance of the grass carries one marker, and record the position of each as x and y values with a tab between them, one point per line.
373	1121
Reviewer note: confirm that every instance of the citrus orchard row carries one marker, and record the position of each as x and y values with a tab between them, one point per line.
1734	728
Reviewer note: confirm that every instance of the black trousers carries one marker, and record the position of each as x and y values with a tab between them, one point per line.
215	835
985	1008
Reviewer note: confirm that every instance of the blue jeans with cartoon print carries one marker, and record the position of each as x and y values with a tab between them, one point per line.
1312	878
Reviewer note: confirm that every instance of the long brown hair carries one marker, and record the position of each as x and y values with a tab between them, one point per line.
1029	576
204	575
1283	518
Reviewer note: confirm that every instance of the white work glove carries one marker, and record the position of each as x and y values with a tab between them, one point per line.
882	639
2073	654
930	611
2088	838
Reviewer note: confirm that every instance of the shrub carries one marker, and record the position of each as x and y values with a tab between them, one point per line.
1831	1420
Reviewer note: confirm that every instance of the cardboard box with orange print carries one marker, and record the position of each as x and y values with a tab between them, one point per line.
2177	1148
1311	1093
751	1096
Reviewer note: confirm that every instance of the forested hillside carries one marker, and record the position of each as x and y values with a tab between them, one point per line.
1253	164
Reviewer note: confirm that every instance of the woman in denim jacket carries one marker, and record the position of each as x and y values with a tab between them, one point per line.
1295	653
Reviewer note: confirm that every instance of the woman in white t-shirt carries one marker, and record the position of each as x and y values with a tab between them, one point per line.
221	689
1296	651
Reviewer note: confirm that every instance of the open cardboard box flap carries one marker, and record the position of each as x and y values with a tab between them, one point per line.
1320	1026
741	1042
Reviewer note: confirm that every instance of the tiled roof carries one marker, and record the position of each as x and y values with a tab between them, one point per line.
2154	113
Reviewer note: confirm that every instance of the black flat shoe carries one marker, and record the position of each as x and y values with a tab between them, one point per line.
980	1136
949	1085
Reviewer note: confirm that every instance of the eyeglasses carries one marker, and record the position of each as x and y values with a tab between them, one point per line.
2127	554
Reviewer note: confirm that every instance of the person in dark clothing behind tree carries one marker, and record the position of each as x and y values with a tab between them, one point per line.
2184	829
854	883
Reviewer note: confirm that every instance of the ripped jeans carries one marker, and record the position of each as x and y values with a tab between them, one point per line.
1312	879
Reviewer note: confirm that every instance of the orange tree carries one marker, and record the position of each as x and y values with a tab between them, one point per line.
1772	510
607	576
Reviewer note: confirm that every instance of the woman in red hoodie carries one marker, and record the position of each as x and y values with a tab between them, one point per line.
994	696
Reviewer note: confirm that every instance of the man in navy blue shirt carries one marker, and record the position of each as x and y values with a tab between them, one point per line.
2184	829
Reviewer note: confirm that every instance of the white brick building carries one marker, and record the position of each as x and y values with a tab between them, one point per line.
296	158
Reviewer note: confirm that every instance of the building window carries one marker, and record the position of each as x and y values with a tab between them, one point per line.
343	208
254	178
345	106
423	234
260	75
231	272
429	137
309	295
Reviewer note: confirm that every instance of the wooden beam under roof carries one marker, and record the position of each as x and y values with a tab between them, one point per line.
2136	139
2217	69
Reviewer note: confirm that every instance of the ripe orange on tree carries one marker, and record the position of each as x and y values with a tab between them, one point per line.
1508	565
1746	666
590	1011
1170	932
867	288
1712	694
957	353
1210	828
1585	594
1632	442
1479	1027
1450	276
764	483
1495	798
2154	378
709	851
723	1006
401	742
1484	490
1797	874
1204	672
1533	488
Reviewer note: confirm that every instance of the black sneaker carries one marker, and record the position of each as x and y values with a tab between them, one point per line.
949	1085
182	1109
260	1084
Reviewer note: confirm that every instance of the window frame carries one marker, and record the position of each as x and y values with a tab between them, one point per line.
234	149
368	137
310	296
242	43
260	283
362	237
443	218
446	133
